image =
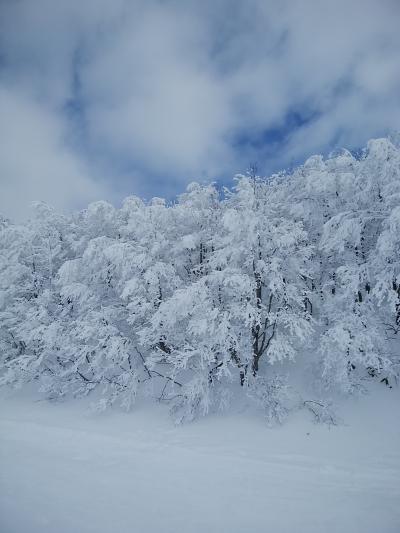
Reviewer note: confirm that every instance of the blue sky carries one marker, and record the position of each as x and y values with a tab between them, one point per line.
101	99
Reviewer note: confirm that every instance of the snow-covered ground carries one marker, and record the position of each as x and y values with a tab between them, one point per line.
65	472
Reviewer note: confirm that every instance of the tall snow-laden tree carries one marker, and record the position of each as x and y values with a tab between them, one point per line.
247	306
270	253
35	253
208	296
365	191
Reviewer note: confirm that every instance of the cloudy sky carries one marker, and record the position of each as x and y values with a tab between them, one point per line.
100	99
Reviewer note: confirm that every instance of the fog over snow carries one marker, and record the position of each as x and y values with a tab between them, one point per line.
103	99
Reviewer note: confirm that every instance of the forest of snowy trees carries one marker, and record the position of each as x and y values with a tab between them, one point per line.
269	288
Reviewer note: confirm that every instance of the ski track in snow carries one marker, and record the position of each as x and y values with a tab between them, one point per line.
64	472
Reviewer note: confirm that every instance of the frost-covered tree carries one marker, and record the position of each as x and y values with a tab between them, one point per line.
215	294
247	306
32	255
347	225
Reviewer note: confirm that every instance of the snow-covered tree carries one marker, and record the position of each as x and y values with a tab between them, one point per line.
215	294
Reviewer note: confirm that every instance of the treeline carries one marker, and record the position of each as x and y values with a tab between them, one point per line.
212	295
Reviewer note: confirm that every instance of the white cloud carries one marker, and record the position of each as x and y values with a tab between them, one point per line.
35	162
147	97
165	87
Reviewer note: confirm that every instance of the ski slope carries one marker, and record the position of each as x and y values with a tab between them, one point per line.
63	471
